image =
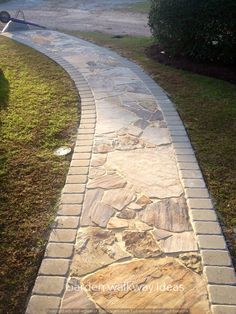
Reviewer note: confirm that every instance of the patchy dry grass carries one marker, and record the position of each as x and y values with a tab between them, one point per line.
207	107
139	7
39	112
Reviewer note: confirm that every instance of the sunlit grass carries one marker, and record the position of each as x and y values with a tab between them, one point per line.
39	113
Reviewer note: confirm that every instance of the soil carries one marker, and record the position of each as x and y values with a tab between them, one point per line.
108	16
227	73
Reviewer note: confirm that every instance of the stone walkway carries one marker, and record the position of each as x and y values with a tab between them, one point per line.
136	231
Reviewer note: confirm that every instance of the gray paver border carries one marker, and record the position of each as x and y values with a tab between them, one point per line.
211	242
221	281
60	247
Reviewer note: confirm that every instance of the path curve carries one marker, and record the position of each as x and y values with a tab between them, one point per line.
135	215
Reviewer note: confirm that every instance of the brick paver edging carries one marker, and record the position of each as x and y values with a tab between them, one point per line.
217	263
216	260
52	277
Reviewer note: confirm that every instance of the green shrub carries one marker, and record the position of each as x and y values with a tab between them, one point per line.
204	30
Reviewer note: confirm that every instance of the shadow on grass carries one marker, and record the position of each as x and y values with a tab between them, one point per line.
4	98
4	91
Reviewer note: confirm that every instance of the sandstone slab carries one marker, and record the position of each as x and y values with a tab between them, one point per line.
160	234
91	198
98	160
119	198
179	242
142	124
148	284
103	148
192	260
117	223
111	116
135	206
141	244
101	213
169	214
96	172
134	130
127	214
155	135
139	225
95	248
112	181
128	142
152	172
76	300
143	200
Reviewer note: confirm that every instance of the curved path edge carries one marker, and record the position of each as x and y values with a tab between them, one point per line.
59	253
217	264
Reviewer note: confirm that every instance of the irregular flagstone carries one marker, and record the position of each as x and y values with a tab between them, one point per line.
98	160
129	142
120	75
111	116
179	242
117	223
156	135
132	130
141	123
139	225
76	300
157	116
148	284
152	172
160	234
119	198
103	148
142	100
96	172
143	200
192	260
162	124
95	248
169	214
100	83
150	145
135	206
91	198
127	214
101	213
141	244
136	108
133	87
112	181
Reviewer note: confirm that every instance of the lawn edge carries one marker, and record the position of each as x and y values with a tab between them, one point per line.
68	214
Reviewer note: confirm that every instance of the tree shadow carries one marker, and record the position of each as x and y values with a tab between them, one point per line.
4	91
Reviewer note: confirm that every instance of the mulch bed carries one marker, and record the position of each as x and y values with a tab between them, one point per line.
227	73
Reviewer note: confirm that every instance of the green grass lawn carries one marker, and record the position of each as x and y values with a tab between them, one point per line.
207	107
39	113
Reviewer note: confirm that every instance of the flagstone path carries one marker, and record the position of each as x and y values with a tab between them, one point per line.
136	229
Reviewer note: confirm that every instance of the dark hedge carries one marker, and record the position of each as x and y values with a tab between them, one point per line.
204	30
